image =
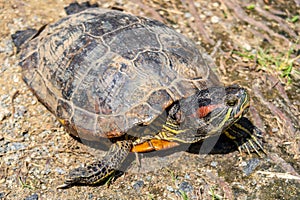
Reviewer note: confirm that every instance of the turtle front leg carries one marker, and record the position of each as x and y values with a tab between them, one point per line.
99	170
153	145
246	136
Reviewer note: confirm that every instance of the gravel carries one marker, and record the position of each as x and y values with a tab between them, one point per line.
34	148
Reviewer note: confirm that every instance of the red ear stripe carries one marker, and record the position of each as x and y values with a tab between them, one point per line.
204	110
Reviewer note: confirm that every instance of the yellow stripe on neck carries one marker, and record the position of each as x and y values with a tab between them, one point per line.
219	128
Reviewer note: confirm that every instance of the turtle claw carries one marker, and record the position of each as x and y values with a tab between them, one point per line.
74	176
64	186
98	171
253	144
246	136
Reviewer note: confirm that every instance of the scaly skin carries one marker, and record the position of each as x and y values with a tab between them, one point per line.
99	170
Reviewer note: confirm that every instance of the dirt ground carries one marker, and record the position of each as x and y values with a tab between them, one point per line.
254	44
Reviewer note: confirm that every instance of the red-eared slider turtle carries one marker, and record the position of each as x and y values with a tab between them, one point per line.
108	74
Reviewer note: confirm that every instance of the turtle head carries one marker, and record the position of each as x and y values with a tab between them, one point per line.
212	110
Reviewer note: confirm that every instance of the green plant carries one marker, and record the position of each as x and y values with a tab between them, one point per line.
272	62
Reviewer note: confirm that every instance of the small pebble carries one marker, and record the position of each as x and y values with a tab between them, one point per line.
247	46
138	185
2	195
187	15
253	183
202	17
243	164
4	113
186	187
15	146
197	4
251	165
216	4
59	171
148	178
4	97
274	130
213	163
20	111
44	187
16	79
90	196
215	19
32	197
169	188
45	172
186	176
208	13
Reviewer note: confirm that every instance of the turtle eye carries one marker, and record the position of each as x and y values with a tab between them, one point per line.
231	101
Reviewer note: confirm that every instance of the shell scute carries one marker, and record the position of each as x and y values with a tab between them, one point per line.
107	23
64	109
105	72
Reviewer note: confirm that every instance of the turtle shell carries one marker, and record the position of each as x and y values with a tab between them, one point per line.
102	72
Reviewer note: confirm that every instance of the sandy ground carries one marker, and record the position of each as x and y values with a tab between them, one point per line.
36	152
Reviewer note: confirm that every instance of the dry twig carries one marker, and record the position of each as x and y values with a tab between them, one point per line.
279	175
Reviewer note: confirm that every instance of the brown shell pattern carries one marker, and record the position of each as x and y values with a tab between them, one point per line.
103	71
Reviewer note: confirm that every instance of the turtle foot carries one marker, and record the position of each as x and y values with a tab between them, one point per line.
99	170
247	137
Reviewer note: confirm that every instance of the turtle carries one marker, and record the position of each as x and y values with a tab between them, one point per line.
133	80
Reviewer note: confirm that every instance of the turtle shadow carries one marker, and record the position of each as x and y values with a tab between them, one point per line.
222	146
217	144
